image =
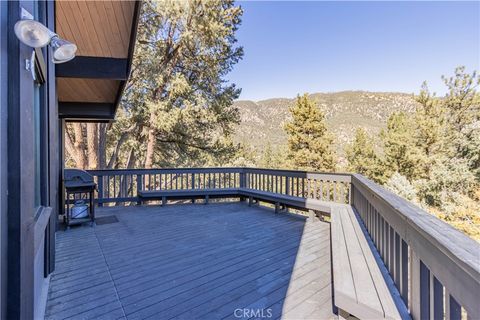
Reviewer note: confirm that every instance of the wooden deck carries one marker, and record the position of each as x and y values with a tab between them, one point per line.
193	262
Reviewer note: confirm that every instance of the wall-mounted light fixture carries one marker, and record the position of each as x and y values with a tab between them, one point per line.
34	34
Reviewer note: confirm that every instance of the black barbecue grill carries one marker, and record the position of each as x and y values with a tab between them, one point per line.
79	185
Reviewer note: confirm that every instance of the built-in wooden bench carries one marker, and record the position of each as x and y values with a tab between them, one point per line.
360	288
164	195
278	199
285	200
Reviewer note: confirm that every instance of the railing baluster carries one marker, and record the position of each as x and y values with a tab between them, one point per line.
114	186
437	298
404	273
303	188
321	190
392	251
334	191
455	310
397	260
424	291
100	189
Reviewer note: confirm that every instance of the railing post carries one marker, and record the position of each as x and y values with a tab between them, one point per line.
350	191
139	186
243	181
100	190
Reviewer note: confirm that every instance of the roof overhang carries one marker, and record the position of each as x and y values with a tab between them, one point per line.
90	86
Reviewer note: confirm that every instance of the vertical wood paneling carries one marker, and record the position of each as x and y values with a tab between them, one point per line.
437	299
397	260
404	272
424	291
455	310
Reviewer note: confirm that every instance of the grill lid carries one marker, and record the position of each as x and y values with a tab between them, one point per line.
75	178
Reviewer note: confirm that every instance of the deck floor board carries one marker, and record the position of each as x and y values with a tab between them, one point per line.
225	260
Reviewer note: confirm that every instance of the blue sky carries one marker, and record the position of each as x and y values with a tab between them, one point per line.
296	47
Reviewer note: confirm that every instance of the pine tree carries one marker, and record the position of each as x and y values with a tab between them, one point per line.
362	157
436	150
462	104
309	142
177	108
267	157
272	158
428	130
402	153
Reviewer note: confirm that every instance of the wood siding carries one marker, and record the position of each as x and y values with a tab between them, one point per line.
87	90
98	28
101	30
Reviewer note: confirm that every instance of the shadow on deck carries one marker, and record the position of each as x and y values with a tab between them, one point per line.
193	262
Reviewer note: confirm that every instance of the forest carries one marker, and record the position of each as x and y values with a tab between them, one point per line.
178	111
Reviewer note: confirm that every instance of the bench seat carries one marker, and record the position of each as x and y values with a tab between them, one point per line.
291	201
360	288
163	195
281	199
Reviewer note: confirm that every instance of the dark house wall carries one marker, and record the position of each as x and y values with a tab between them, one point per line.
29	167
3	157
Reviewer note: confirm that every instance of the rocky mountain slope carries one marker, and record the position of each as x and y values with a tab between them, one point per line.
262	121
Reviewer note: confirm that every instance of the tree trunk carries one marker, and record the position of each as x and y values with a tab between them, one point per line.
92	145
70	148
126	184
131	159
114	158
150	148
78	147
102	145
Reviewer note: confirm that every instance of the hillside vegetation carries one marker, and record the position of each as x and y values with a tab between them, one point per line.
262	122
422	147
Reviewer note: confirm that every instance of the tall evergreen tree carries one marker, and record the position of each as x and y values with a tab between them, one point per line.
266	160
177	109
436	150
310	145
273	158
462	104
402	154
362	157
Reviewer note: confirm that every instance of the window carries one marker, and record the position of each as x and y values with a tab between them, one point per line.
39	113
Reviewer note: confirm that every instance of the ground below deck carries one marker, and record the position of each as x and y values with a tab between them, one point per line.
194	261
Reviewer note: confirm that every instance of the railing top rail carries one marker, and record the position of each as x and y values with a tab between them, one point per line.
165	170
331	176
341	177
296	171
461	249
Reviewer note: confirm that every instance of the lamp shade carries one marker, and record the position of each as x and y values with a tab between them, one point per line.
32	33
63	50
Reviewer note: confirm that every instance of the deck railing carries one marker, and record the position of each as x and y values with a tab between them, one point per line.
123	185
435	268
330	187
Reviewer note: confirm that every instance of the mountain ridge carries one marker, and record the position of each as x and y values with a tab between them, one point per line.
262	121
